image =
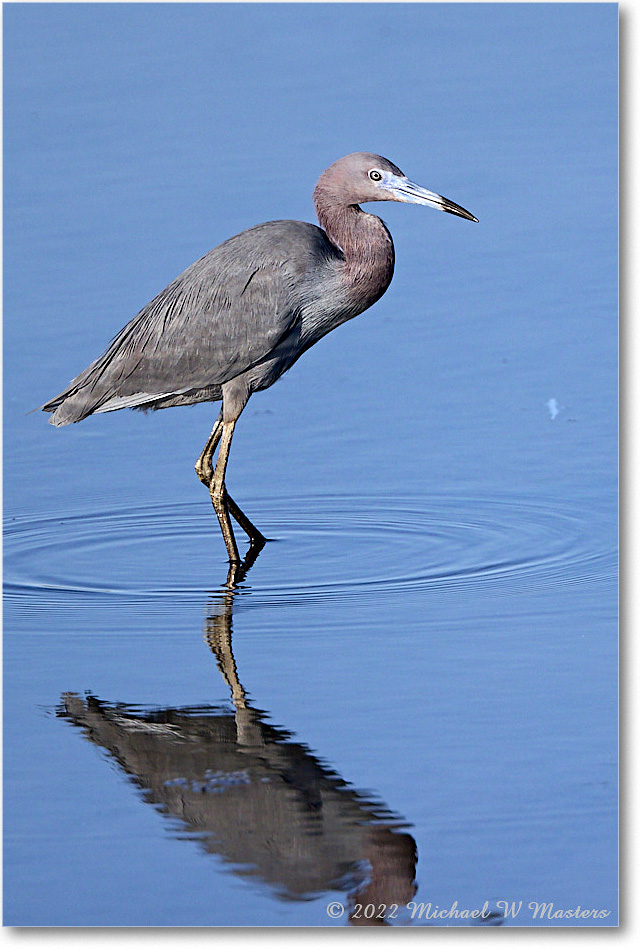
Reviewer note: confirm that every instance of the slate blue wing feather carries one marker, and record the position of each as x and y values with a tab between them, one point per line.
226	313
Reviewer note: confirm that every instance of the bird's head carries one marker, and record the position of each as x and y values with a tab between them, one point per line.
364	176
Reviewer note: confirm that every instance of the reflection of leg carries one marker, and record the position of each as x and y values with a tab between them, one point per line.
218	634
218	493
203	466
237	571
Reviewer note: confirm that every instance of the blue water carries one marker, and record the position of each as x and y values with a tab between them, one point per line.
412	694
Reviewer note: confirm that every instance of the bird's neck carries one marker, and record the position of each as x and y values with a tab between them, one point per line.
366	245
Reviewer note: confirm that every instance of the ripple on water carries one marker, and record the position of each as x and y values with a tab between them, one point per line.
329	548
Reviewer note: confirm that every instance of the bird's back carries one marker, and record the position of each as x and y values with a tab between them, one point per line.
223	315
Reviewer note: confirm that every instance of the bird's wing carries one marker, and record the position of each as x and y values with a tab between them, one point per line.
221	316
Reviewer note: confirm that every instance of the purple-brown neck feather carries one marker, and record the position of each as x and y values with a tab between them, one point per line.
363	238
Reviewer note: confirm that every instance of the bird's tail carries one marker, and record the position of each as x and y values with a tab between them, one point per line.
66	409
83	395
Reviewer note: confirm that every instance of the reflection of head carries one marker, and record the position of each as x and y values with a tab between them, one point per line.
392	856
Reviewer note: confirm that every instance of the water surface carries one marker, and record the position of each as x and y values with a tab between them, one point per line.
411	695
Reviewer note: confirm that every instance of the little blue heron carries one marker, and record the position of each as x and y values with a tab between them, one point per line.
237	319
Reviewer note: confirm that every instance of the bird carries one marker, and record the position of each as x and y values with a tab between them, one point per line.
238	318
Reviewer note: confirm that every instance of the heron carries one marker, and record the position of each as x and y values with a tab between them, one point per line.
239	317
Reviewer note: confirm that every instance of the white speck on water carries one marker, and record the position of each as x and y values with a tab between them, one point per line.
553	407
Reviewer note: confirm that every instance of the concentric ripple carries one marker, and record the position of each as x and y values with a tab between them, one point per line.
327	547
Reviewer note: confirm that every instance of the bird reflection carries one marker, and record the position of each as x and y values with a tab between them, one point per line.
247	791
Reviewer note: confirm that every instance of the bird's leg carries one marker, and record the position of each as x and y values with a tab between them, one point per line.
218	493
257	540
203	466
206	473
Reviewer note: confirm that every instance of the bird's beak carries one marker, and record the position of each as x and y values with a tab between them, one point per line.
400	188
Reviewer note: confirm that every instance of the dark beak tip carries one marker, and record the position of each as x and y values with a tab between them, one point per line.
456	209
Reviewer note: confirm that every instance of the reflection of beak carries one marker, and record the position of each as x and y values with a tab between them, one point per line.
402	189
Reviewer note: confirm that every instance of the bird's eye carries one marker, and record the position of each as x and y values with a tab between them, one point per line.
374	175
